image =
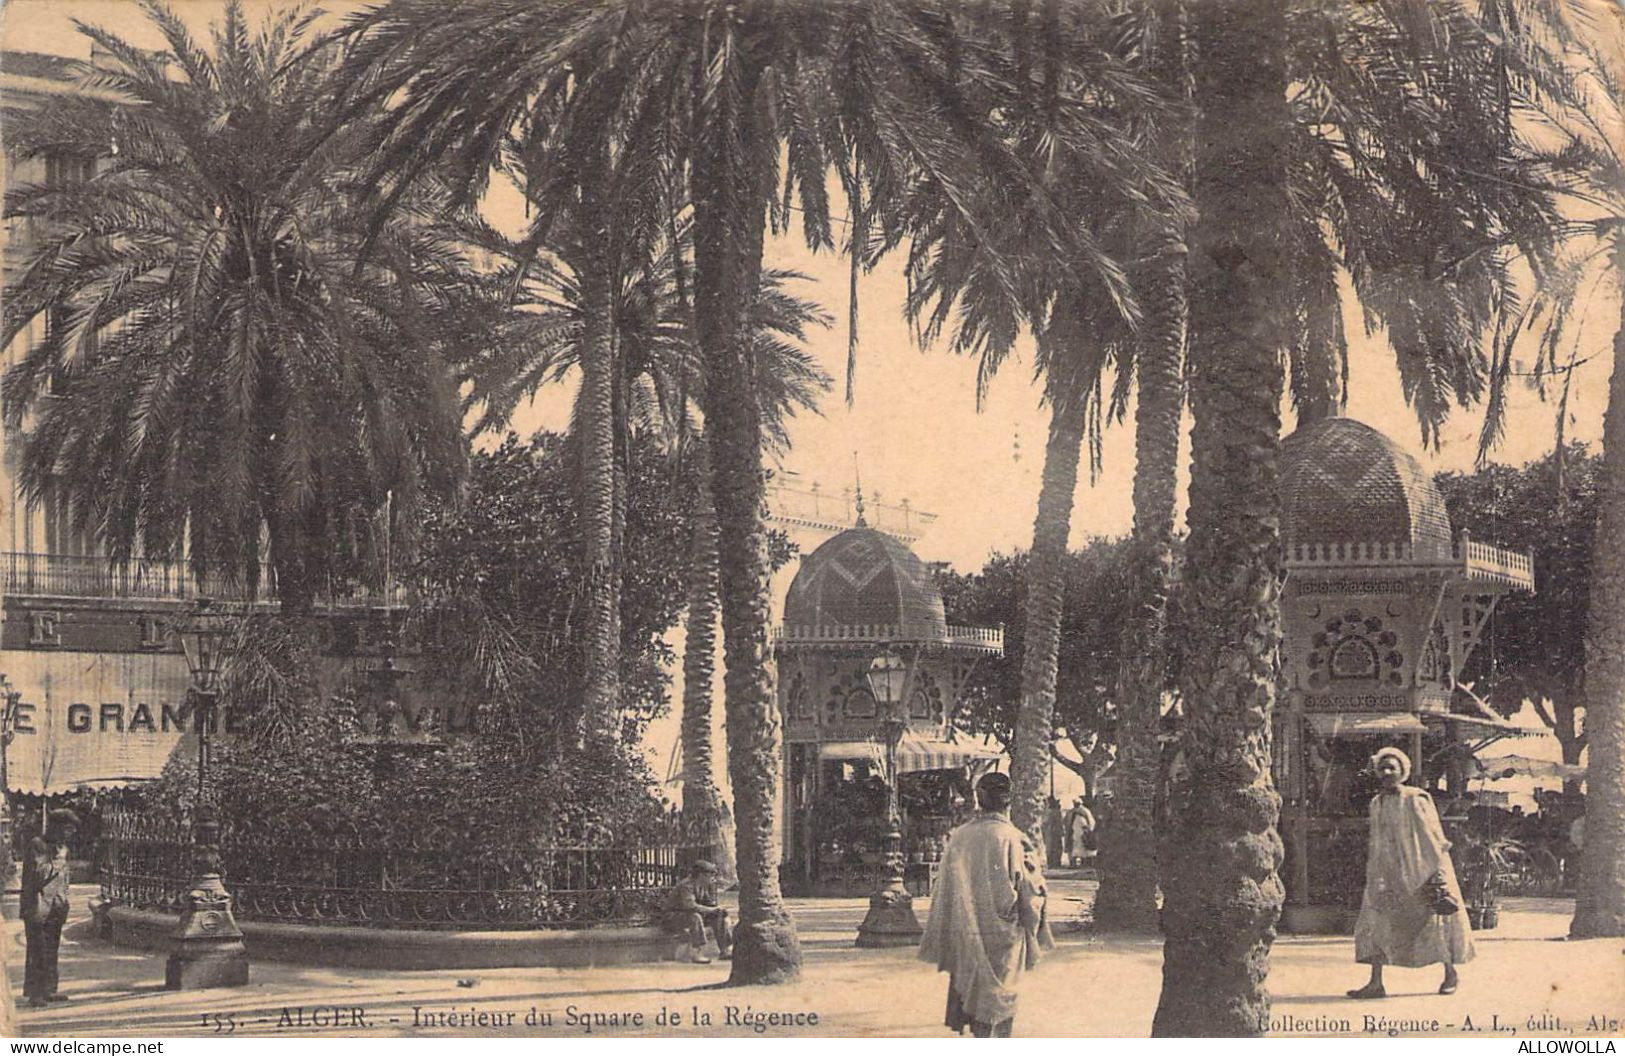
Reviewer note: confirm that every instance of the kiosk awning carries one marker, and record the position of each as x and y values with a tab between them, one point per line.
914	753
1484	724
921	753
1357	725
1523	766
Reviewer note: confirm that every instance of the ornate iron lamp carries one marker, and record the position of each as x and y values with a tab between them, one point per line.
207	947
891	920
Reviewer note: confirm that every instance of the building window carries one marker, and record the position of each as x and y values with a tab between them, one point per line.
66	170
45	628
152	631
60	535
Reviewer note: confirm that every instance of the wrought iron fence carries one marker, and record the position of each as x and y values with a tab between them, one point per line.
588	878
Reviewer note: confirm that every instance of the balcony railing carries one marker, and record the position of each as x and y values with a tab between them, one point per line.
68	576
975	639
1480	562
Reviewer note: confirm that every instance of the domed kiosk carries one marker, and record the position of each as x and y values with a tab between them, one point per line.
1382	606
870	674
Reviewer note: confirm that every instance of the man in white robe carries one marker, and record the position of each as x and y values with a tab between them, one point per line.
988	916
1408	871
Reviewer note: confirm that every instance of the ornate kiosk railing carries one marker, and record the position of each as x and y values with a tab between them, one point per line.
589	878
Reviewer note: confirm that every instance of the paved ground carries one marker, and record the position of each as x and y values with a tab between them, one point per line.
1090	987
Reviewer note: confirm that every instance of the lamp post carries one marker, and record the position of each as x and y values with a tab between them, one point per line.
206	949
890	920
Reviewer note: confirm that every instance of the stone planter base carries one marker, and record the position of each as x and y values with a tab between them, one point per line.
226	967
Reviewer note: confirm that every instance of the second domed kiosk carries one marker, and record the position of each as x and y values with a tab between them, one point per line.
870	675
1382	606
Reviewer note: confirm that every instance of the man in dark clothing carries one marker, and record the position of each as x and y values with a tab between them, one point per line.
1053	832
45	905
692	906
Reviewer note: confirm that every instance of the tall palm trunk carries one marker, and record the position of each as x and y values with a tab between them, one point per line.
1045	579
1128	862
1222	895
1599	907
1127	898
699	649
732	182
595	413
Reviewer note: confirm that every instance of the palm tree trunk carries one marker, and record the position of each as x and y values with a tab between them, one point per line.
1030	763
699	650
1222	894
732	180
1127	899
595	424
1599	907
1128	861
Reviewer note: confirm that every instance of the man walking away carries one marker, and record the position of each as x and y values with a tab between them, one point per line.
45	905
692	906
988	922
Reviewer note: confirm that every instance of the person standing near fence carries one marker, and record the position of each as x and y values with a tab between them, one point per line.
44	905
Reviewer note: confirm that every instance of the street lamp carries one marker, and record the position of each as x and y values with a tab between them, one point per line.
203	641
207	947
890	920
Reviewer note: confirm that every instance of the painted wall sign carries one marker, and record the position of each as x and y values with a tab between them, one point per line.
111	719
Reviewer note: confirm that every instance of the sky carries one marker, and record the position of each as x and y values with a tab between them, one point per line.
914	425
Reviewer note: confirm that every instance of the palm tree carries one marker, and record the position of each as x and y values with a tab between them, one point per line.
1408	146
1127	862
1221	891
1076	115
1599	908
1585	168
790	382
540	341
592	193
634	80
1387	102
1399	139
219	367
713	90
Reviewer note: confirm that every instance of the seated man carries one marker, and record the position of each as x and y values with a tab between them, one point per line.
692	905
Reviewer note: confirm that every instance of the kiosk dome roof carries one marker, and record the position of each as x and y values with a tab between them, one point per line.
1343	481
865	578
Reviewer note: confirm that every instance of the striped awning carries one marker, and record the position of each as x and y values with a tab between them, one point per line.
915	752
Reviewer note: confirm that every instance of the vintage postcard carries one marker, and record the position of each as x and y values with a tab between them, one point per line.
830	518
